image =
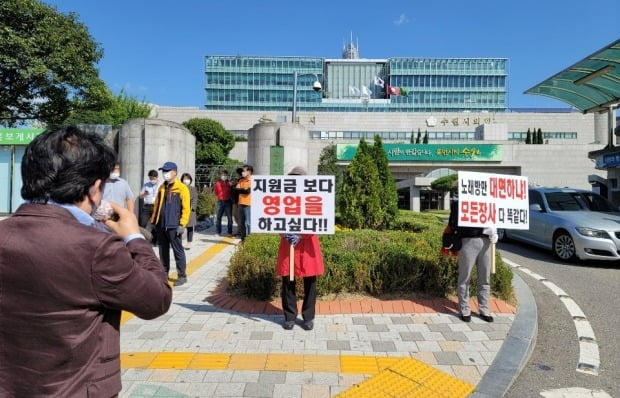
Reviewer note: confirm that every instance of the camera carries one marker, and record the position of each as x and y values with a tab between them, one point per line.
316	86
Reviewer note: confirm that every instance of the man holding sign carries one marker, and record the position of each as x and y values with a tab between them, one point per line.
485	202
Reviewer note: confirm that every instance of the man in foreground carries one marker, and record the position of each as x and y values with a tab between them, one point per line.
64	278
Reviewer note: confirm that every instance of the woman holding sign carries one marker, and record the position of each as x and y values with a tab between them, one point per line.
477	245
299	255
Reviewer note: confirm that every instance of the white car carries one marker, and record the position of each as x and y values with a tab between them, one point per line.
573	223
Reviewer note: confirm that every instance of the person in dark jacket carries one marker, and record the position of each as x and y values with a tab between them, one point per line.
475	249
171	213
65	279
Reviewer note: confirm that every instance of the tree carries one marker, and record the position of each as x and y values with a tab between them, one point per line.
389	193
121	108
213	141
328	166
539	137
411	139
445	183
417	140
425	140
528	137
359	205
47	64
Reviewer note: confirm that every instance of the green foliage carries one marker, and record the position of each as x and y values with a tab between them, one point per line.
539	137
389	193
411	139
327	166
425	140
367	262
419	137
120	109
445	183
206	204
213	141
528	137
47	64
359	204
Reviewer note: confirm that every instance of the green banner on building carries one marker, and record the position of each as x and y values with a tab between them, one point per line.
276	160
18	136
430	152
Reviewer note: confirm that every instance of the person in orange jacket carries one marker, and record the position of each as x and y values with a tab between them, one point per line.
308	263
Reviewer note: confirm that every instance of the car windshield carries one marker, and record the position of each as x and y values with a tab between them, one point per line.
578	201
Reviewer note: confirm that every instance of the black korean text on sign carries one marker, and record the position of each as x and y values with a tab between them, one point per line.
296	224
318	185
474	187
512	216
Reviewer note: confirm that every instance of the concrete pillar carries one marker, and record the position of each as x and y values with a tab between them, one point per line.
293	137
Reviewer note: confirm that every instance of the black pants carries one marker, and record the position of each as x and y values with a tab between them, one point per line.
289	299
167	238
145	215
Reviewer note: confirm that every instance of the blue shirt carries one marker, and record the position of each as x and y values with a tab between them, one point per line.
87	219
117	191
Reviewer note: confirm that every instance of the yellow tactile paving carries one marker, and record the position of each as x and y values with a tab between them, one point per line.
137	360
322	363
285	362
358	364
247	361
209	361
410	378
172	360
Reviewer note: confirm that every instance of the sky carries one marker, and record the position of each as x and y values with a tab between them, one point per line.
154	50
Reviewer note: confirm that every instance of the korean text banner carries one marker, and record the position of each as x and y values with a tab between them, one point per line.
493	200
299	204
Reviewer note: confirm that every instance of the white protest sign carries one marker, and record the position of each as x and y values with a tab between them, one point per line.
299	204
493	200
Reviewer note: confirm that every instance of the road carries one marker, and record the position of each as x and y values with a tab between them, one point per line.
595	288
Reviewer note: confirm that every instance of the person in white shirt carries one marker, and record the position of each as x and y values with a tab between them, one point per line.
147	194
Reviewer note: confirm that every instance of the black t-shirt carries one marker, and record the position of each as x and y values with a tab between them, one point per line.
465	232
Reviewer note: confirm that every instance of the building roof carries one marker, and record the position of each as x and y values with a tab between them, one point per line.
590	85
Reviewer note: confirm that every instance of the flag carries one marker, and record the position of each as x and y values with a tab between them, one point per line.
354	91
366	91
391	90
404	92
379	82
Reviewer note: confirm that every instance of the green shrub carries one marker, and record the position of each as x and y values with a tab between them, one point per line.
367	262
206	204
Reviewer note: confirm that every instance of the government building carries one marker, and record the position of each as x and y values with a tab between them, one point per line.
435	116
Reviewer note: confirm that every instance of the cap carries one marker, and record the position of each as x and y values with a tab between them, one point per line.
168	166
298	171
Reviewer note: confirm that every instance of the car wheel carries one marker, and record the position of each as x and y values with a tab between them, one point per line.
501	235
564	246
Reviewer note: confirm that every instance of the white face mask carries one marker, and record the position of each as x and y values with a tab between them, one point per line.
187	182
224	178
167	176
115	175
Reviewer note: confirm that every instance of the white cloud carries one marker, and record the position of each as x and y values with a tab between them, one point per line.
402	19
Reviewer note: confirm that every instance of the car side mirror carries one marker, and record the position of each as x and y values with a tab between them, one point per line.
535	207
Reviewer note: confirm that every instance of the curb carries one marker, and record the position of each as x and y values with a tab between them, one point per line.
517	347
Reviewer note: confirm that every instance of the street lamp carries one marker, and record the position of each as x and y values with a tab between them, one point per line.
316	86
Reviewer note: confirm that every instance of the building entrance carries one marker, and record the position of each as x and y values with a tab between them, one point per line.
431	200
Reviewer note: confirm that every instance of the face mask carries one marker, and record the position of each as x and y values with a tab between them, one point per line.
167	176
187	182
115	175
154	181
224	178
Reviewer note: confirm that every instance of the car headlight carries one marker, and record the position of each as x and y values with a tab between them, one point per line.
593	233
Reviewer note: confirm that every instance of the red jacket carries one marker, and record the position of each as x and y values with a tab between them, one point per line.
222	190
308	257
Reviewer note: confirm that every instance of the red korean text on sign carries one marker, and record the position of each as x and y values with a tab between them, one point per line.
477	212
508	188
272	205
292	205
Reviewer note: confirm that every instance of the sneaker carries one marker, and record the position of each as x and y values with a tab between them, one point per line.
308	325
288	325
465	318
182	280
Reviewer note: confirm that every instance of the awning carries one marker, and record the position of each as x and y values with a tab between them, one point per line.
590	85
